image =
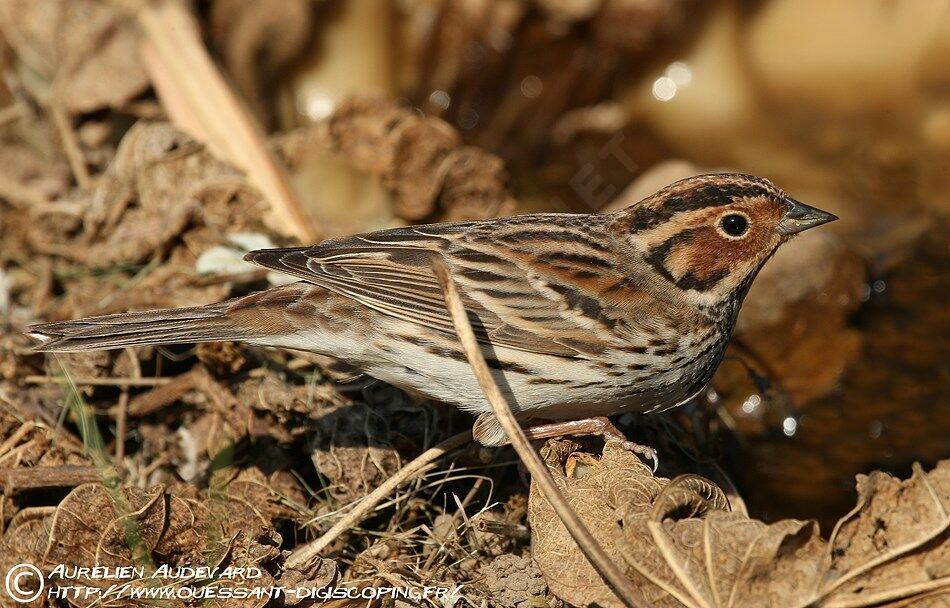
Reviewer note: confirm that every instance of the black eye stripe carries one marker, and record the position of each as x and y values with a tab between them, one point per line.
682	197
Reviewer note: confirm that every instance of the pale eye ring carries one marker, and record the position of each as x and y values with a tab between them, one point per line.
734	225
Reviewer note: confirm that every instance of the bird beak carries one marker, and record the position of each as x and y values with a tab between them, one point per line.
801	217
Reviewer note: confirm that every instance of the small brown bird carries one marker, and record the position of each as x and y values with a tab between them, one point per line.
580	316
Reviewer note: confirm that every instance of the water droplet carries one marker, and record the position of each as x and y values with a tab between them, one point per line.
319	107
531	86
875	429
499	39
680	73
440	99
879	286
664	88
468	118
789	426
751	403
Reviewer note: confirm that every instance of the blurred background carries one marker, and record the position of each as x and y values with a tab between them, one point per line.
377	114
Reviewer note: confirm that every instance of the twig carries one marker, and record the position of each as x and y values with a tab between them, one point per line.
18	451
12	112
20	433
602	563
84	381
58	207
122	416
198	99
502	528
70	146
162	396
305	554
49	423
18	193
64	476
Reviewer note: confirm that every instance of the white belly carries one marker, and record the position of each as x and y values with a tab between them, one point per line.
535	385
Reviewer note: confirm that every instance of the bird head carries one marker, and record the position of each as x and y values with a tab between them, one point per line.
709	235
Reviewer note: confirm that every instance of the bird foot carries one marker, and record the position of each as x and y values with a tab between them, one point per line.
598	425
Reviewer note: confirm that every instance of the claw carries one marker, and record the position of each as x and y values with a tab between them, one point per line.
643	450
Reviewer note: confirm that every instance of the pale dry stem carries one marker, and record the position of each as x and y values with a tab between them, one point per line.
420	464
595	553
200	102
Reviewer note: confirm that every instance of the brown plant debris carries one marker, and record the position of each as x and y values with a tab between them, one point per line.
229	454
257	39
513	581
420	159
157	527
682	546
86	49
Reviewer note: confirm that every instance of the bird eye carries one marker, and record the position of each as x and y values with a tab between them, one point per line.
734	224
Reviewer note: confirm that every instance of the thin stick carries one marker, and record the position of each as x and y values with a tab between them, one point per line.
20	433
162	396
18	193
120	382
17	452
122	416
602	563
12	112
70	146
304	554
63	476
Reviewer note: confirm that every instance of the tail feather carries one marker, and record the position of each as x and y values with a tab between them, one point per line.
198	324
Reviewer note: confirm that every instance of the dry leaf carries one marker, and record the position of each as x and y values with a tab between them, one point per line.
129	526
683	547
319	572
356	446
597	491
895	542
86	49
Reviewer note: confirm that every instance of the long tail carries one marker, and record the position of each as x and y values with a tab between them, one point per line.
198	324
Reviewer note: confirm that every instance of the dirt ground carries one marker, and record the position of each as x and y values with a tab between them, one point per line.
145	147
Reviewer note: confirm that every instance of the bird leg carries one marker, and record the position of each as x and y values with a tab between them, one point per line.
598	425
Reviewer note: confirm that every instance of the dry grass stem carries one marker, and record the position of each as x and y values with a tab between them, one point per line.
120	382
122	415
70	146
199	101
613	577
420	464
19	194
12	113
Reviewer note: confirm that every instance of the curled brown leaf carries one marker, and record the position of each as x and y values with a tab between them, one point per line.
681	545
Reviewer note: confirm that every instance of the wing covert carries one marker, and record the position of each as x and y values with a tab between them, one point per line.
389	271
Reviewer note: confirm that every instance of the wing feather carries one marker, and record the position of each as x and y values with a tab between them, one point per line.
389	271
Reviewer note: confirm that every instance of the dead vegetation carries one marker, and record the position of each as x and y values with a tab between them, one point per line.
125	185
683	544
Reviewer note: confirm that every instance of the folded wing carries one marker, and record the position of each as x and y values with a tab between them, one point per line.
510	303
